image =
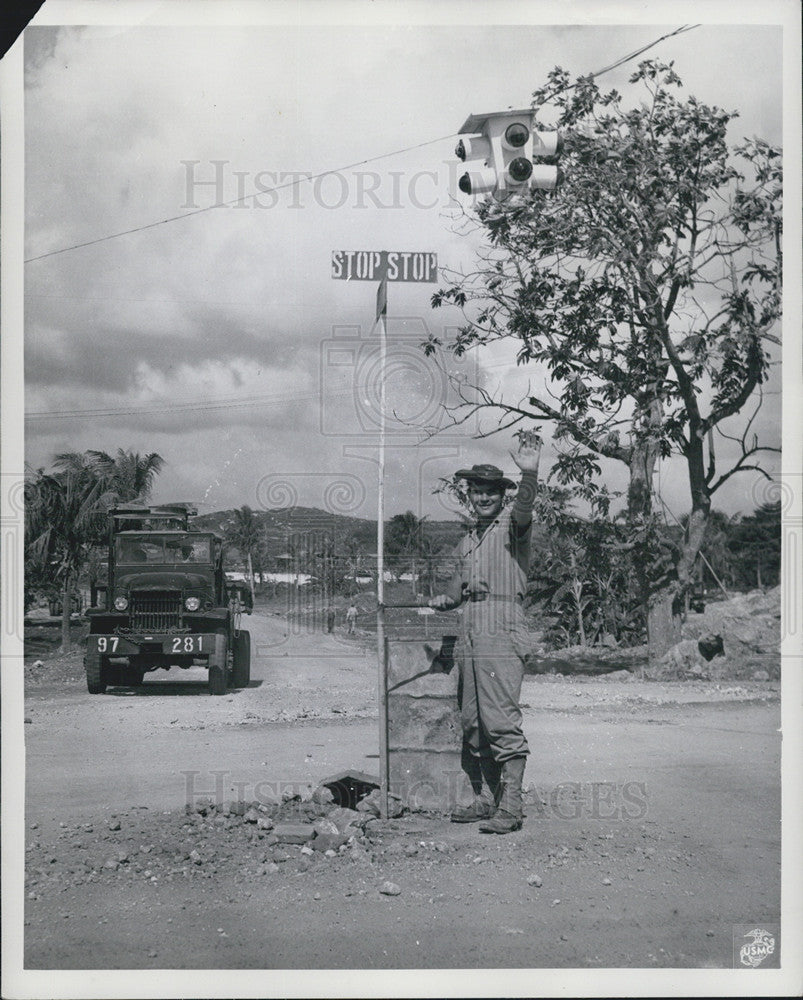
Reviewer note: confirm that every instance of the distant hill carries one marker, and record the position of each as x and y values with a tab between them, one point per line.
281	524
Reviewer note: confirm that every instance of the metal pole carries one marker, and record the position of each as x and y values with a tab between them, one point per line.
380	584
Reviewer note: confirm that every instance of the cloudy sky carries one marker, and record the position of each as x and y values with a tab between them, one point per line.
219	339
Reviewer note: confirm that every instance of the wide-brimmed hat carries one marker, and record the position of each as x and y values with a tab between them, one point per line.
486	475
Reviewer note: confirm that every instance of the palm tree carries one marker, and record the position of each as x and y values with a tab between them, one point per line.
245	534
129	474
65	515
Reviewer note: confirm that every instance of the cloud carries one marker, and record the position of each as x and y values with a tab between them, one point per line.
205	338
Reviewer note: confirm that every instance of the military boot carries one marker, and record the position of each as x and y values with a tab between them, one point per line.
484	774
508	817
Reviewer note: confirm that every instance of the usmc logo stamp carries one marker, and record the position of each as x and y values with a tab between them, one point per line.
756	946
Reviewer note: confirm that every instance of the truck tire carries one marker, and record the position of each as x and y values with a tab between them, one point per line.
95	673
218	666
241	669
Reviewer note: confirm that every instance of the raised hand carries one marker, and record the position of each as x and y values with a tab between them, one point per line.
528	455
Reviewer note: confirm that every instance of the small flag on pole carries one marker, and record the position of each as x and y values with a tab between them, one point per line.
382	299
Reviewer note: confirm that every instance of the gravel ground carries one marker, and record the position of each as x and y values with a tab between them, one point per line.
120	875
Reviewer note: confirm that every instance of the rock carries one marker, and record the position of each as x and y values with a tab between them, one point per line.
344	818
390	889
195	857
293	833
252	816
607	881
204	806
28	720
330	854
323	795
682	658
750	626
535	880
111	864
370	804
760	675
280	857
325	826
306	850
328	841
114	824
410	850
264	823
303	864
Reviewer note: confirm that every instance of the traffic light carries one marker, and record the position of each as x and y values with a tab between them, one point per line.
499	151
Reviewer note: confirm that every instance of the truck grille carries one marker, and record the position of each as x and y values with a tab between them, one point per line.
155	610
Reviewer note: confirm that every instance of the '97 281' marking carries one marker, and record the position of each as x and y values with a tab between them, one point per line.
187	644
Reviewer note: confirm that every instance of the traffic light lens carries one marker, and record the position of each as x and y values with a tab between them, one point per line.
465	184
520	169
460	150
517	134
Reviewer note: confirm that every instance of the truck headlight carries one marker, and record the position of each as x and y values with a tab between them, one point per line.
121	603
192	603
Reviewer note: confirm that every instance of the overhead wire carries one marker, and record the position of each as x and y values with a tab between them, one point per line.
269	398
324	173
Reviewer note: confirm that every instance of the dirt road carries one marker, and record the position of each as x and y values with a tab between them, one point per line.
653	827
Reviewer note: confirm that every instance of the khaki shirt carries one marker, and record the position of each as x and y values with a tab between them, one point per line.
491	575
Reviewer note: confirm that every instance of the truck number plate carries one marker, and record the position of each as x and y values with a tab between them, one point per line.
187	644
108	644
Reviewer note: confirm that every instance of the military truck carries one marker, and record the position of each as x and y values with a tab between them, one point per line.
166	604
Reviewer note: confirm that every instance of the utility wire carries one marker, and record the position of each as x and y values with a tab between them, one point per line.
325	173
236	201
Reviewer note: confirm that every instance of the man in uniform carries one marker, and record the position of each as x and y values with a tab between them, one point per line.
490	581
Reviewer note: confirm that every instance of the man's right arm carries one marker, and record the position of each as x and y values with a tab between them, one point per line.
453	594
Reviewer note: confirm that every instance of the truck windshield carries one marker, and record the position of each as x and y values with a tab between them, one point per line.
169	551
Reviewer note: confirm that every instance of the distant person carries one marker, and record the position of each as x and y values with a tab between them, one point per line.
330	619
351	618
490	582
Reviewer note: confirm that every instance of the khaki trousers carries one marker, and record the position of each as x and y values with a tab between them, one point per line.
491	673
